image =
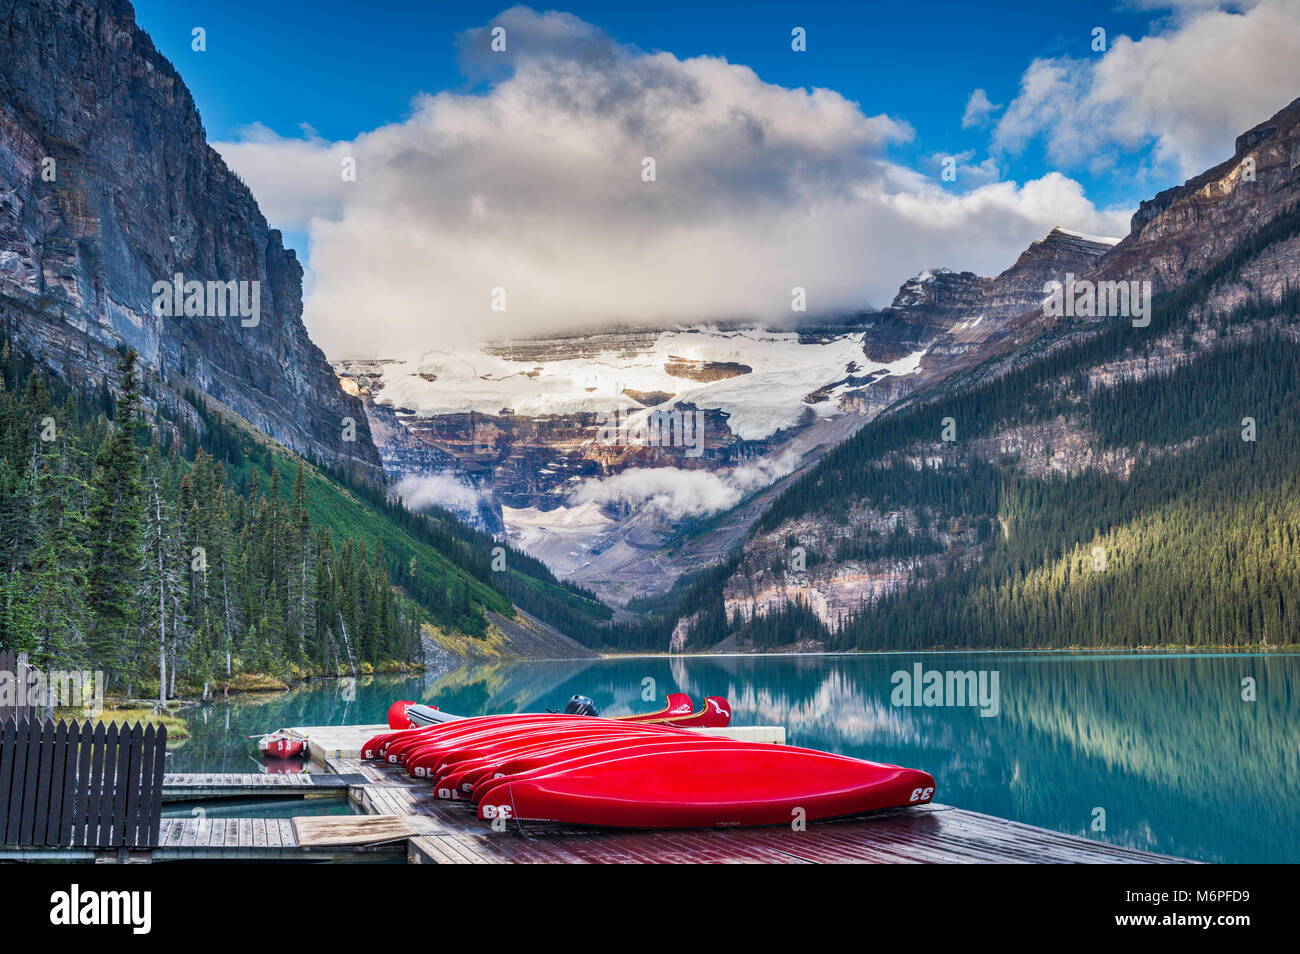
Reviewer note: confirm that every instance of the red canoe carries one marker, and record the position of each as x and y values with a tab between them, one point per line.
390	745
704	785
678	704
459	771
485	727
716	714
423	760
279	745
404	741
499	747
377	747
678	711
557	755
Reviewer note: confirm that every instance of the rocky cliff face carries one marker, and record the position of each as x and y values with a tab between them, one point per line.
953	312
108	186
1182	230
960	316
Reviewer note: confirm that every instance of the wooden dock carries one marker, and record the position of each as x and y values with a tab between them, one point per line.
195	786
257	839
924	834
398	817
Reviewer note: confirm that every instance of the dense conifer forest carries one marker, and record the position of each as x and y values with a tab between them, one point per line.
1198	545
182	549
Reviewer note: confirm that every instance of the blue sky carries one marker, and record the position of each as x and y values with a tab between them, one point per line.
345	69
817	169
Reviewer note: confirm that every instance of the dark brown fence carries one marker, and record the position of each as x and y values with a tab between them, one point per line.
80	785
17	686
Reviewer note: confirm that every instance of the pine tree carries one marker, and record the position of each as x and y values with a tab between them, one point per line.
301	577
115	518
57	580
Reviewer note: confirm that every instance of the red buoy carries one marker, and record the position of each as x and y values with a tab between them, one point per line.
397	714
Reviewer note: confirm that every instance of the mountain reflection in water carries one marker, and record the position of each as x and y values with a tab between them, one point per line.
1164	745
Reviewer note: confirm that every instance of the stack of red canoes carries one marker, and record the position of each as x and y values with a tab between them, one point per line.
639	773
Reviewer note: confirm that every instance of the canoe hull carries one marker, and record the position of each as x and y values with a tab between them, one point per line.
705	786
281	748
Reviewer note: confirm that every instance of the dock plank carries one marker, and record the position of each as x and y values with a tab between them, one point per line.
191	787
924	834
352	829
402	816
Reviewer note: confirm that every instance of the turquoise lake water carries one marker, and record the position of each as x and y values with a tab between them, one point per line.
1163	750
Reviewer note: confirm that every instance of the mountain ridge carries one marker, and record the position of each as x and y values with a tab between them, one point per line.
108	186
902	524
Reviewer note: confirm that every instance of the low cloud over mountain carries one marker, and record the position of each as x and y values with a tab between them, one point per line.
533	183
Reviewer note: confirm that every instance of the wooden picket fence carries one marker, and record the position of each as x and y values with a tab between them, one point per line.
17	686
80	785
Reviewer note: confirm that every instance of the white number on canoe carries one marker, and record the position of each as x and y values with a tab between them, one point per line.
496	811
921	794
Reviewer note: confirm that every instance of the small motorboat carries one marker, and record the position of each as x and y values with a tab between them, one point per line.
281	745
397	718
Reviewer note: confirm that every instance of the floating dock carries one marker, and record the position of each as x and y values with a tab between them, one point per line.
925	833
195	786
398	817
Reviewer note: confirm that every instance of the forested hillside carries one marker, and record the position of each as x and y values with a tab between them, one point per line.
1129	487
153	542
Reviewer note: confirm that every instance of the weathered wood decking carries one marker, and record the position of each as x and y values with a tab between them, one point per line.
178	787
929	833
254	839
442	832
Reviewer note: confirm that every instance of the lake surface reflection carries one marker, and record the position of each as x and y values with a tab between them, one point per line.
1162	750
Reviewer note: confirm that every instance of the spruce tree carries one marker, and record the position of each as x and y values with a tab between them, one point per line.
115	519
59	562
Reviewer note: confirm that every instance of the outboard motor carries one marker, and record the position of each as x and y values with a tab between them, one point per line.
581	705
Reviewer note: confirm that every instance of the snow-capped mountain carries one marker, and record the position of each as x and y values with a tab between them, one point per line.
594	452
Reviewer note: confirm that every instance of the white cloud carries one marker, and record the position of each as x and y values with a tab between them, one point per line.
534	185
1185	91
438	490
978	108
670	491
676	493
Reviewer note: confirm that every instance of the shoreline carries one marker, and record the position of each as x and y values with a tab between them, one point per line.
1287	650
